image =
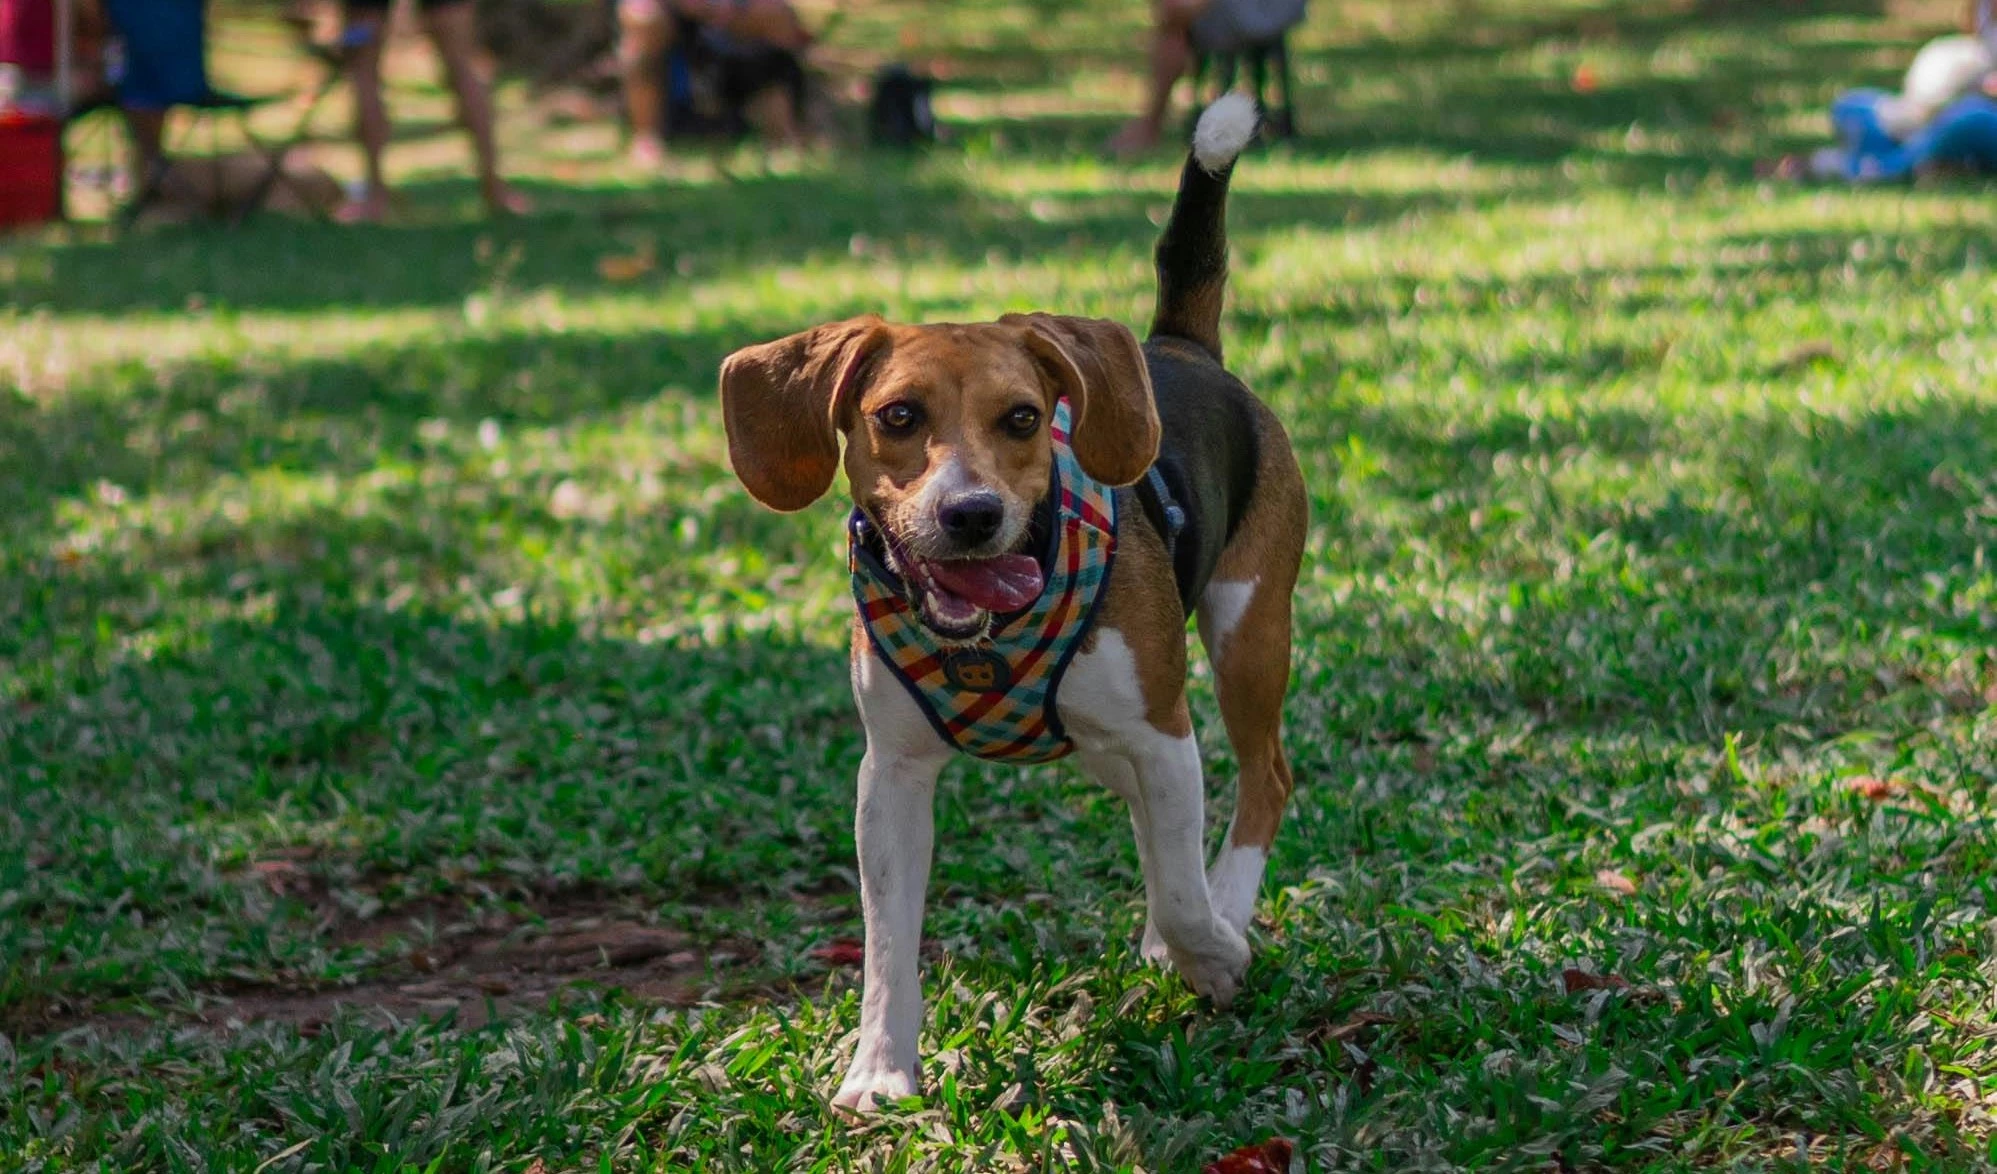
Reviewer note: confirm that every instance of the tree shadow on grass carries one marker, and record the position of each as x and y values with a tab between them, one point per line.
393	758
1816	576
183	428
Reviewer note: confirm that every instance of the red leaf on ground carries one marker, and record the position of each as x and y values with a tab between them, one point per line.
1577	981
1867	787
1271	1157
840	952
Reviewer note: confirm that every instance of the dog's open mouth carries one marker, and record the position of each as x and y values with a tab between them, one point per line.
957	597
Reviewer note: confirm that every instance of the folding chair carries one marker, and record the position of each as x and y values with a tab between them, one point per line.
334	57
163	66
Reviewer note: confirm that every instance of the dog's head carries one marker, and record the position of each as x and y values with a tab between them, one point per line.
947	442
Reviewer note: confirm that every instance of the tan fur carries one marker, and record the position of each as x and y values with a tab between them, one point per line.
965	381
785	402
1141	603
1100	368
1252	668
783	405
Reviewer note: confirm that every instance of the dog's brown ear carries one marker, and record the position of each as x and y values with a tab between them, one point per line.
782	402
1100	368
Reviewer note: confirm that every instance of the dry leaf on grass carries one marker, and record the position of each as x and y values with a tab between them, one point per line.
283	877
1271	1157
1803	354
1869	787
1575	981
1358	1023
1616	882
628	267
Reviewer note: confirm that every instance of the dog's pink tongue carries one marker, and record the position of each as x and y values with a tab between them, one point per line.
1006	583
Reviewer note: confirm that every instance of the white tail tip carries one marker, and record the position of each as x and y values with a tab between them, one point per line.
1224	130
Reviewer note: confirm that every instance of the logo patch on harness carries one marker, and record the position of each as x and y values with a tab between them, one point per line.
977	671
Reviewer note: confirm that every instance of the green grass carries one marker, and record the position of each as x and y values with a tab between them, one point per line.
366	595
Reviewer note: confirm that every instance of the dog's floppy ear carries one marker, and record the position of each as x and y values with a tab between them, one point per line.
782	402
1099	367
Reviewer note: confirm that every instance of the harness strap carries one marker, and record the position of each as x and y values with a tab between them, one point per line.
1172	512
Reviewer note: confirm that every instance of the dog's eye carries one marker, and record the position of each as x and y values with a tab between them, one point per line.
898	419
1023	421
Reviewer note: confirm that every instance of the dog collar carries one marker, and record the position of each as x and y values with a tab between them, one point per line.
994	697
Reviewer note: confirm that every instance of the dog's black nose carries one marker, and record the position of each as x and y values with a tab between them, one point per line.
972	518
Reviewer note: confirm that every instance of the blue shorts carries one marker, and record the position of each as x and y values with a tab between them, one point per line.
164	53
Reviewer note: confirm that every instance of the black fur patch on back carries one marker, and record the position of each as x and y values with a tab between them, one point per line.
1207	457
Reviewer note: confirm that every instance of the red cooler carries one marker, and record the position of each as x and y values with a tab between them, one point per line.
30	168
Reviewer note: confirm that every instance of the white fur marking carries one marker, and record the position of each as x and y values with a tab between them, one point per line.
1224	130
894	828
1221	609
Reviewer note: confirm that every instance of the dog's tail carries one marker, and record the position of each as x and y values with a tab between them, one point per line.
1192	253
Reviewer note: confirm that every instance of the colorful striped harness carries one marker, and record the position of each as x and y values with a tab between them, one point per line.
994	698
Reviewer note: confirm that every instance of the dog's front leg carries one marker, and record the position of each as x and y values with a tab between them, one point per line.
894	826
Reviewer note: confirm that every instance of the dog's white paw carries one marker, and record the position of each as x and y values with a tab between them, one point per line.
1217	969
1214	969
865	1090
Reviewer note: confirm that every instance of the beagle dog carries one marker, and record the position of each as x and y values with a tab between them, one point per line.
1040	504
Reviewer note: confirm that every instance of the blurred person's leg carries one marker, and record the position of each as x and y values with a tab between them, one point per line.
1171	55
774	113
643	34
366	23
453	30
148	131
164	67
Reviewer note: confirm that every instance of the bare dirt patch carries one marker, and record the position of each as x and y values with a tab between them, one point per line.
462	956
479	970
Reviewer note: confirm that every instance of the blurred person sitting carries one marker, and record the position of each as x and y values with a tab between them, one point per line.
716	64
1944	118
450	26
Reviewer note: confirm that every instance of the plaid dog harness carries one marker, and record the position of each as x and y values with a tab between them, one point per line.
994	698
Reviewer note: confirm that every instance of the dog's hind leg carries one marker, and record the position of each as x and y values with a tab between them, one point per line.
1142	748
1244	622
1160	777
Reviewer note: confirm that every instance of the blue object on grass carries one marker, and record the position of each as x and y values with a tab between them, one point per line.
1963	134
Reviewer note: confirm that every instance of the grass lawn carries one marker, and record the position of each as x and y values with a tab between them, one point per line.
417	753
